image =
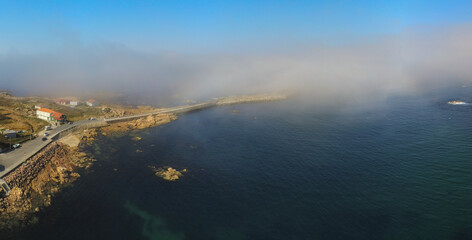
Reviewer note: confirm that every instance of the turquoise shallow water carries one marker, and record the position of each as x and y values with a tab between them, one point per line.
400	171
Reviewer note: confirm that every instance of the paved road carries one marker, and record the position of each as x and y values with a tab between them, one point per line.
179	109
13	159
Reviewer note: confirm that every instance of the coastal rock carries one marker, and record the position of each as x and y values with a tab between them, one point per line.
15	195
169	174
152	120
140	123
89	135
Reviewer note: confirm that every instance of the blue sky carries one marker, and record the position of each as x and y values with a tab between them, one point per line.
209	48
30	26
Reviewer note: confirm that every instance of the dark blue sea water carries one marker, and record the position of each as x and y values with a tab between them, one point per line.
279	170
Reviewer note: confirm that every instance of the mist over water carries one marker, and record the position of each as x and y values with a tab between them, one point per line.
370	68
276	172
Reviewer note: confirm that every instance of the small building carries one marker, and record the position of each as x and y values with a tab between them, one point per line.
61	101
37	107
92	103
9	134
74	103
50	115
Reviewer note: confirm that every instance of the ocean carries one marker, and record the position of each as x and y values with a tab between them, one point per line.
279	170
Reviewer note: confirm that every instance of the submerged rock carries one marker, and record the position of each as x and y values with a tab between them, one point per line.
154	227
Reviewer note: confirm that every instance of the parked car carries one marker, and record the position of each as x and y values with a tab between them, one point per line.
20	131
47	128
45	138
16	145
46	134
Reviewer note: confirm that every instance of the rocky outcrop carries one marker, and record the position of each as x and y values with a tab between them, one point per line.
88	135
140	123
169	174
152	120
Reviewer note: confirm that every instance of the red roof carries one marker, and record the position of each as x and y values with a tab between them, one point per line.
56	115
46	110
91	101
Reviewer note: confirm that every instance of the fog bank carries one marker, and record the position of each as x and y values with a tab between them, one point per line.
373	68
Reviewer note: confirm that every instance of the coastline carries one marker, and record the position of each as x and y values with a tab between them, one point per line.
34	183
57	166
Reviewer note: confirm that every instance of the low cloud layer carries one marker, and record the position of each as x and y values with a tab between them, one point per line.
374	67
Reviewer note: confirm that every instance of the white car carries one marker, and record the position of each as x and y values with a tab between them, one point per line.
46	134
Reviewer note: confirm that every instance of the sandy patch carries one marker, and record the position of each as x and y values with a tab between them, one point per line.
71	140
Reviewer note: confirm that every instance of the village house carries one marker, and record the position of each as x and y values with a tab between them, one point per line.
61	101
74	103
92	103
50	115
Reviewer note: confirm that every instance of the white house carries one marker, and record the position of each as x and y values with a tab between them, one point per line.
92	103
74	103
43	114
50	115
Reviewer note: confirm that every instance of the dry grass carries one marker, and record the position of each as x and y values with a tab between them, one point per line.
10	119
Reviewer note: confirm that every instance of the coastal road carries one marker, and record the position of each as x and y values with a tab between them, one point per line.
179	109
11	160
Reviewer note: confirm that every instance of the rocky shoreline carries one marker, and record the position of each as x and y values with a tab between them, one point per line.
34	183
